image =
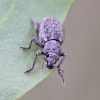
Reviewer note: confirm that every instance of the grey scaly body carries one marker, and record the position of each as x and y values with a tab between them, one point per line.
50	35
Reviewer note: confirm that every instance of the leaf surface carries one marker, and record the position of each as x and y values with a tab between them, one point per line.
16	31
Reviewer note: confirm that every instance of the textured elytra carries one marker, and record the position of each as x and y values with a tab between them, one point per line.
50	28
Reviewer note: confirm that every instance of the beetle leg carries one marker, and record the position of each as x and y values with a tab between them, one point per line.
38	53
36	27
61	71
30	43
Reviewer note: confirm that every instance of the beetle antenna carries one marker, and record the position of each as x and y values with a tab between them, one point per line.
43	65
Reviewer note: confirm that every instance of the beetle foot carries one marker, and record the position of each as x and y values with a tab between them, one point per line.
63	84
28	71
24	48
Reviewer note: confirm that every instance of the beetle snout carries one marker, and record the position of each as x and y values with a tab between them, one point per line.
50	66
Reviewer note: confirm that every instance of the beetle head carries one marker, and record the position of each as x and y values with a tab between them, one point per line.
51	59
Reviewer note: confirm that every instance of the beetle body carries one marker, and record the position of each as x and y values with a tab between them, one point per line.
50	35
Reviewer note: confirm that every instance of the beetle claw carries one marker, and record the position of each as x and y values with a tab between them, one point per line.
63	84
28	71
24	48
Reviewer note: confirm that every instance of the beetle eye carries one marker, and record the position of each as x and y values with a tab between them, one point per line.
47	55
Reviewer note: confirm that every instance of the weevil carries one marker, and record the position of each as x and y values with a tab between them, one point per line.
50	37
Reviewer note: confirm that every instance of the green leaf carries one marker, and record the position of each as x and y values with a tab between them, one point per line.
16	31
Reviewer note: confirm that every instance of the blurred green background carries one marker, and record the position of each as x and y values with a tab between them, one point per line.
82	64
